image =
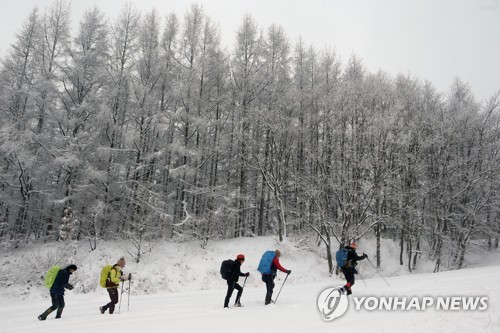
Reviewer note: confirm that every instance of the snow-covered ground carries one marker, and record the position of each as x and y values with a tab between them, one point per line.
191	295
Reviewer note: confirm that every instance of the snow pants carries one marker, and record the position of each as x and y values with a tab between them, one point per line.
57	304
349	274
113	296
269	280
231	285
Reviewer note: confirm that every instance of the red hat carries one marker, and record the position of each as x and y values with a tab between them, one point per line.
353	245
240	257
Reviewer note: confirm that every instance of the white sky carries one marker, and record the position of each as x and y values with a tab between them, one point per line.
435	40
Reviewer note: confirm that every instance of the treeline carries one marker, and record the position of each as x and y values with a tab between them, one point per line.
145	128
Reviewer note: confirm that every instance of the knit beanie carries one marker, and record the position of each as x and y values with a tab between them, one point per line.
121	262
73	267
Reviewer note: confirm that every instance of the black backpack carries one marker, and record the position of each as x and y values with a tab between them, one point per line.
226	268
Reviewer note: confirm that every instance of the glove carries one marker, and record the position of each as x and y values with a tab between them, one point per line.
130	276
69	286
247	274
288	271
365	255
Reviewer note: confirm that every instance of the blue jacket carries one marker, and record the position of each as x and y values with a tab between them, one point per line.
61	282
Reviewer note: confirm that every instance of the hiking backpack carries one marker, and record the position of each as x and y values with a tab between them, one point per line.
341	257
226	268
51	275
105	275
266	262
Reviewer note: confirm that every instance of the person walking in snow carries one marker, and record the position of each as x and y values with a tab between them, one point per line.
349	269
112	283
268	266
57	292
232	281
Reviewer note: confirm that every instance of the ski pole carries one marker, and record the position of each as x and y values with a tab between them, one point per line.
377	271
128	298
280	289
121	293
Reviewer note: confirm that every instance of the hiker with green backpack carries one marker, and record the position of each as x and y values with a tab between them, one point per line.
111	276
57	280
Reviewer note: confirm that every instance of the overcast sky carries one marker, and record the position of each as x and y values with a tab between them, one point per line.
435	40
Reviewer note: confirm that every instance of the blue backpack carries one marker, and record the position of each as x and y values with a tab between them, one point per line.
265	262
341	257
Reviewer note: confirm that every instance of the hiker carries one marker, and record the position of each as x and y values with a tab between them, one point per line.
57	291
115	276
349	269
268	266
232	281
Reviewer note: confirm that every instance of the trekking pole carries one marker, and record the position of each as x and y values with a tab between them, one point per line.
121	293
361	276
244	282
237	301
280	289
128	298
378	271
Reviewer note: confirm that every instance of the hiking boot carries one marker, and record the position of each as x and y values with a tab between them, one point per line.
44	315
102	309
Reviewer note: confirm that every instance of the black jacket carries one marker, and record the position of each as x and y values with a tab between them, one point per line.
352	259
60	282
235	271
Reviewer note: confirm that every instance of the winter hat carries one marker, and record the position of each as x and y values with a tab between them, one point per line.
240	257
353	245
277	253
121	262
73	267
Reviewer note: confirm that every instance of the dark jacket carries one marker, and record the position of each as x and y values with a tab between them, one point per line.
235	271
61	282
352	258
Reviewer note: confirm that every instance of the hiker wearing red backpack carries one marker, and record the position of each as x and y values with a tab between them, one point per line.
349	269
113	280
233	274
57	291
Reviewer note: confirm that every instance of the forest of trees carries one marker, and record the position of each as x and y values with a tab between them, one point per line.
144	127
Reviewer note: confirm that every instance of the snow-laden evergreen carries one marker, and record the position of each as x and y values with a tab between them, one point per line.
142	127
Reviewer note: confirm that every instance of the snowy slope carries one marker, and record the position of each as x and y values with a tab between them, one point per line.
295	311
177	288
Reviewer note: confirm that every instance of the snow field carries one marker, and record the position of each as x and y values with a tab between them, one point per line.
177	287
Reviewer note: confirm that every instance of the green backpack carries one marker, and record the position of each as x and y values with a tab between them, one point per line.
104	275
50	276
